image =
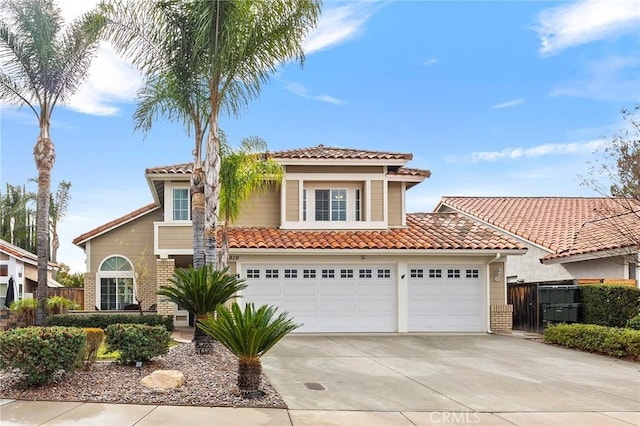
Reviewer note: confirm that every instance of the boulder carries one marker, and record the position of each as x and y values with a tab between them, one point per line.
163	380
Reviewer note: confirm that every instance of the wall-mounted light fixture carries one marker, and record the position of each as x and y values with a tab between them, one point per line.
498	274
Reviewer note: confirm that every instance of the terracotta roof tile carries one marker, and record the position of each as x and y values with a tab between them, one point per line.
552	222
326	152
405	171
435	231
180	169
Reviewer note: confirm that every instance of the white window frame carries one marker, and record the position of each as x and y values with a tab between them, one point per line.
100	274
169	201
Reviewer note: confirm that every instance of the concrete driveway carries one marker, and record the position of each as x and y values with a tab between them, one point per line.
459	373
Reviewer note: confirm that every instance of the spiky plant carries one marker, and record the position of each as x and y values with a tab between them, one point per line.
200	291
248	334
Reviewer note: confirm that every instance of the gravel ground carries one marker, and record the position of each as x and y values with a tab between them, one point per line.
210	380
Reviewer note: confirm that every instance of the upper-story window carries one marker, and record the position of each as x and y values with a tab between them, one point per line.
181	208
331	204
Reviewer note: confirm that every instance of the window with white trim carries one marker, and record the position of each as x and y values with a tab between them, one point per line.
116	283
435	273
304	204
453	273
384	273
346	273
416	273
308	273
358	206
328	273
472	273
253	273
291	273
271	273
181	209
365	273
331	205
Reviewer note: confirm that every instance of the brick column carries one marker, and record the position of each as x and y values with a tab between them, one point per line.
502	318
164	271
90	301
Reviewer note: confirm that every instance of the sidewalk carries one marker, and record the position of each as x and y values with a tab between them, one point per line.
32	413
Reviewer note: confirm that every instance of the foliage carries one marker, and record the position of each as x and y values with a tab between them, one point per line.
609	305
619	342
201	290
102	321
26	310
95	337
58	205
634	322
59	304
137	342
40	352
67	279
18	217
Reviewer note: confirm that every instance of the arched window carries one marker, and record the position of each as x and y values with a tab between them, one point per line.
116	283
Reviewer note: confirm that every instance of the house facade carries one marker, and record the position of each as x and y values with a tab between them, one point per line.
567	238
332	245
22	266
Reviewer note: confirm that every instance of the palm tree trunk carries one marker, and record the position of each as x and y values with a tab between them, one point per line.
197	218
202	341
250	377
223	258
44	155
212	179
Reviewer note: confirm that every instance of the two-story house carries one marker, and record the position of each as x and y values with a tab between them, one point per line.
332	245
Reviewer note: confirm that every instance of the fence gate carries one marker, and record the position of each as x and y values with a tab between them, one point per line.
526	310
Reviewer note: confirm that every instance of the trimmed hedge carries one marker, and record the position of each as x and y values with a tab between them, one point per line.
634	323
40	352
609	305
619	342
105	320
137	342
95	336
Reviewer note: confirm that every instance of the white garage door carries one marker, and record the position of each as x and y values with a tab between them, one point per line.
327	298
445	298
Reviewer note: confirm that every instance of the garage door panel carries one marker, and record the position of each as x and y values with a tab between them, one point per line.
300	305
265	289
337	306
337	289
376	289
374	305
299	288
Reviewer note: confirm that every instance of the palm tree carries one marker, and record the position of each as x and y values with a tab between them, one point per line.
200	291
42	63
57	212
248	334
243	172
157	37
17	217
240	44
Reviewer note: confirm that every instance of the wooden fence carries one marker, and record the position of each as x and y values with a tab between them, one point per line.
72	293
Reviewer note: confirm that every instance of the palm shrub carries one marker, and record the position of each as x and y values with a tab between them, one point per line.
248	334
200	291
59	305
26	310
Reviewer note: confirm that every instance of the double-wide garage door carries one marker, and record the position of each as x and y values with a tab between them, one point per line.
327	298
357	298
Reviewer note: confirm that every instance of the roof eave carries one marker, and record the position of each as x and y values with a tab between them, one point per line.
600	254
408	252
341	161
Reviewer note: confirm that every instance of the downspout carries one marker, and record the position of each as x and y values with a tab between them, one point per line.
495	259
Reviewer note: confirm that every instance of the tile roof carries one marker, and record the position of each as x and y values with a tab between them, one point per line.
174	169
405	171
114	223
424	231
17	252
326	153
551	222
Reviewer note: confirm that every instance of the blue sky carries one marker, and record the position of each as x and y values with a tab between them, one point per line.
495	98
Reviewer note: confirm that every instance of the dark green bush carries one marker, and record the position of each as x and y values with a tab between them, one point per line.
634	323
609	305
137	342
105	320
39	352
620	342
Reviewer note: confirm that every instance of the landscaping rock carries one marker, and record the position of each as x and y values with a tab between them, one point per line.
163	380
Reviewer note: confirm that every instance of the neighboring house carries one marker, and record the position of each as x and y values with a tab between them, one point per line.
567	238
23	267
332	245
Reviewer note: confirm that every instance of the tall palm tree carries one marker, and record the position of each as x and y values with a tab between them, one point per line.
57	211
42	63
243	172
241	43
157	36
248	334
200	291
17	217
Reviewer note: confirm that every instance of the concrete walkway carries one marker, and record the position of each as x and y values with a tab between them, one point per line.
398	380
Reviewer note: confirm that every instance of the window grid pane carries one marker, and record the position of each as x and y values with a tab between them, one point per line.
338	205
180	204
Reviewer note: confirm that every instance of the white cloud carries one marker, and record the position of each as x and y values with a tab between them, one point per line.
339	24
430	61
509	104
614	78
531	152
301	90
328	99
585	21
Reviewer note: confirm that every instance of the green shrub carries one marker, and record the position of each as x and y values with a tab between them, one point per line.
39	352
105	320
619	342
609	305
58	304
634	323
95	336
137	342
26	310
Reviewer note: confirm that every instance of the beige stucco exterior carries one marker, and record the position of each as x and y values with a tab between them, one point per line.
293	200
395	204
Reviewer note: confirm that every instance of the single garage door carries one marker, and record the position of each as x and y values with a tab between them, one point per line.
327	298
445	298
